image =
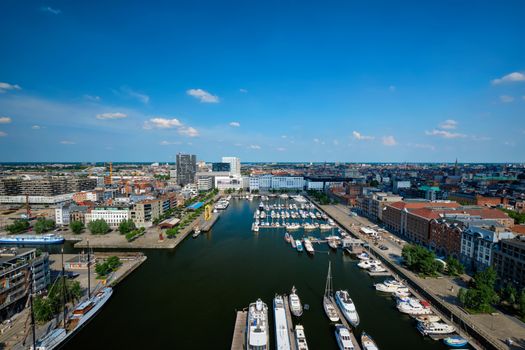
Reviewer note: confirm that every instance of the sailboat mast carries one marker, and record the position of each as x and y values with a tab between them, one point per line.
328	288
89	271
64	288
31	305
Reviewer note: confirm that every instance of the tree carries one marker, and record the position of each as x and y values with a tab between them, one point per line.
374	183
420	259
522	303
509	294
43	225
18	226
111	264
43	309
76	227
126	226
454	267
481	294
98	227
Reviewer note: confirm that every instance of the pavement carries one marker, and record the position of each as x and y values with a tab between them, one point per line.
497	325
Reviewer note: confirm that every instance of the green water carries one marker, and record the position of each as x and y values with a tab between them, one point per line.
186	299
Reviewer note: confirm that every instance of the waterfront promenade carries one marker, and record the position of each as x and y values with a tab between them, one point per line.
495	328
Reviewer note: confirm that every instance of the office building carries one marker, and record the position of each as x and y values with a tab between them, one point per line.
235	164
186	168
226	167
112	215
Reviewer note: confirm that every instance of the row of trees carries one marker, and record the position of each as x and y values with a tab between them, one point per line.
46	307
18	226
43	225
423	261
110	265
320	197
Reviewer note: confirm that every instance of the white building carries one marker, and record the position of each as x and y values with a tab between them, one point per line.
190	190
287	182
228	182
314	185
253	184
113	216
477	246
62	216
235	164
204	183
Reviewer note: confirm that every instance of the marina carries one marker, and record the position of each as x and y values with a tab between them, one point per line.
211	263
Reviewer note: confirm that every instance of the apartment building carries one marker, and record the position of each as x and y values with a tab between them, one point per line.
112	215
509	261
46	186
478	245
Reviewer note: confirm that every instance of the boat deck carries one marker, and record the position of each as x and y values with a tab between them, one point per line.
291	332
239	331
343	320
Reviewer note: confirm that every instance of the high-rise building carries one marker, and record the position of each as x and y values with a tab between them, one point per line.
221	167
235	164
186	168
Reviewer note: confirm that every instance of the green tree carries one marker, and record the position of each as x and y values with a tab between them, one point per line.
509	294
18	226
43	309
481	294
44	225
126	226
111	264
76	227
522	303
98	227
454	267
420	259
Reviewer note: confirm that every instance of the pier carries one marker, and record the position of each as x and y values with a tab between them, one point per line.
289	322
345	323
207	225
239	331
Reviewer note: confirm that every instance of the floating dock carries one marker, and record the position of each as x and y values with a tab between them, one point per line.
239	331
291	333
379	274
343	320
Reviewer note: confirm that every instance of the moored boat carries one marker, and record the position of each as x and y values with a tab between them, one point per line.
347	307
298	245
32	239
413	306
435	328
257	331
308	246
282	338
455	341
295	303
367	342
342	335
328	305
300	338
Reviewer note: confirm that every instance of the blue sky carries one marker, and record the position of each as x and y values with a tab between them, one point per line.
263	80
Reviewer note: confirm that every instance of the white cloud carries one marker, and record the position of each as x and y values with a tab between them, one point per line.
116	115
128	92
4	87
481	138
238	144
335	142
203	96
449	124
281	149
244	91
188	131
506	98
162	123
5	120
3	134
283	136
254	147
235	124
51	10
445	134
316	140
392	88
67	142
509	78
166	143
358	136
36	127
92	98
389	141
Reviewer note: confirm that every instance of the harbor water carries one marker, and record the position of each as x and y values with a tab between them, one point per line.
187	298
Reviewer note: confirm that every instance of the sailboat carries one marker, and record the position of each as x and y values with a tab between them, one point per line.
328	304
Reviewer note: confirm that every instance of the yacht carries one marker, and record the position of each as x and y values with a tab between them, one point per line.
295	303
309	227
455	341
32	239
255	227
300	338
385	288
325	227
282	338
377	269
328	305
366	264
257	334
434	328
347	306
363	256
298	245
344	341
287	237
413	306
293	226
367	342
333	242
428	318
402	293
308	246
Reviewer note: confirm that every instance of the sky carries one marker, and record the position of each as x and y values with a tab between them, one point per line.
353	81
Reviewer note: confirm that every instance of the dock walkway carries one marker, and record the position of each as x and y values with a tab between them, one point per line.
291	333
343	320
239	331
207	225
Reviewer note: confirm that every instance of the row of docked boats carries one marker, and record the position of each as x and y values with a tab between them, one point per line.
222	203
257	324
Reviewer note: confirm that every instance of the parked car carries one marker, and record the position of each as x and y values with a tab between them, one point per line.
383	247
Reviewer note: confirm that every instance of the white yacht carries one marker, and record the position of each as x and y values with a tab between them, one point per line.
282	338
325	227
363	256
328	305
428	318
255	227
308	246
347	306
366	264
257	334
309	227
402	293
295	303
292	227
377	268
367	342
414	306
434	328
344	341
300	338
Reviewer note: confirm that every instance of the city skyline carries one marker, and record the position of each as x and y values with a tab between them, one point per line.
349	82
